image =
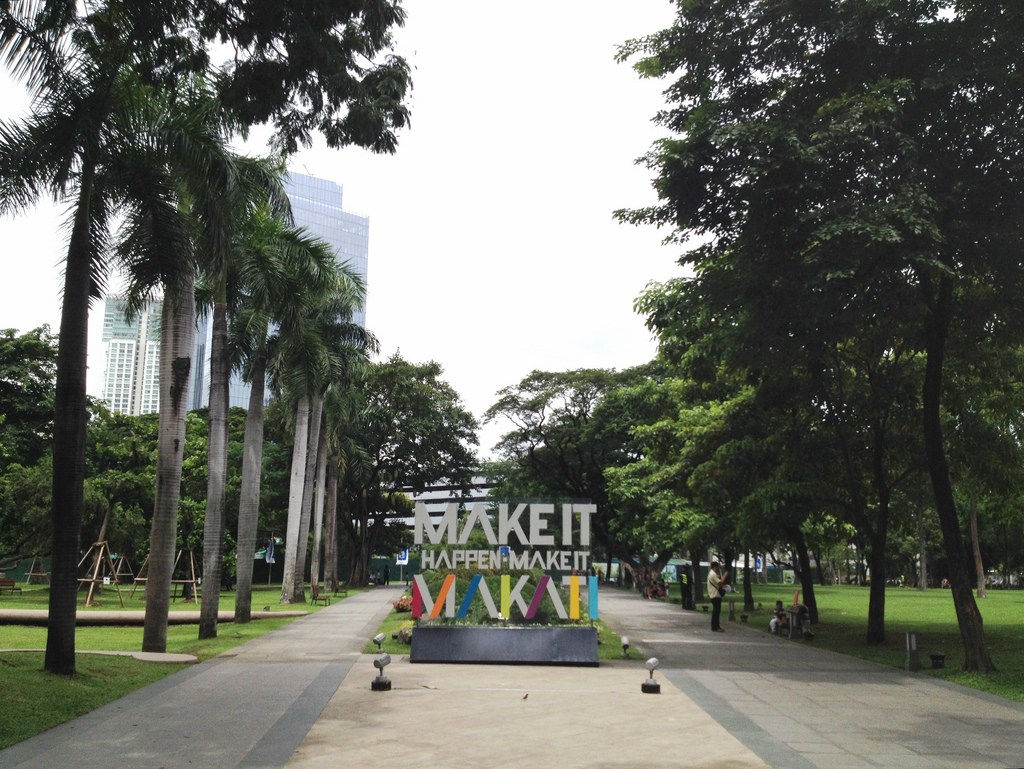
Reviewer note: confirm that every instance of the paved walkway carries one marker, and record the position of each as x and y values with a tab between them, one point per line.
300	697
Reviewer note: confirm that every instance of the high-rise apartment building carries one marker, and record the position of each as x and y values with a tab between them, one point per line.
131	373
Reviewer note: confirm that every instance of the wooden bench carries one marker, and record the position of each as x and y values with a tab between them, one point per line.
315	596
9	585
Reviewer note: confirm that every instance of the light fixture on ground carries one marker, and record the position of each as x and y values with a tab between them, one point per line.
650	686
381	683
625	645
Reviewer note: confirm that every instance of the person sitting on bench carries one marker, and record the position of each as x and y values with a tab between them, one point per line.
779	620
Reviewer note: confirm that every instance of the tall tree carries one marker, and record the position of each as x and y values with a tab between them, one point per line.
412	432
91	138
321	349
246	184
566	433
280	269
177	343
310	66
850	162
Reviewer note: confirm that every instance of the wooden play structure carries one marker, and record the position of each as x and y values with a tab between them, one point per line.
100	571
37	573
185	578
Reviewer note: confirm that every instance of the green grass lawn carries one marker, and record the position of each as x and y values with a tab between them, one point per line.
34	700
842	627
38	597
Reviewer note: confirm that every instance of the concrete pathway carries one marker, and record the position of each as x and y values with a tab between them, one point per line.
798	706
300	697
250	707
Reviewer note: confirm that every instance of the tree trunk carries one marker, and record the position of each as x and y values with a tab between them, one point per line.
922	550
217	468
976	655
249	495
331	525
698	583
748	588
298	474
979	566
876	594
318	517
806	578
877	539
177	340
306	505
69	426
358	571
819	568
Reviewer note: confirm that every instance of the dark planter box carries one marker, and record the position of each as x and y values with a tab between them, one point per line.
505	645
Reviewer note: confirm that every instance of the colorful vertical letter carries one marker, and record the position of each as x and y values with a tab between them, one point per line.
574	597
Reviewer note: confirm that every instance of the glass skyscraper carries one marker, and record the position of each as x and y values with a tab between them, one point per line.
131	377
316	207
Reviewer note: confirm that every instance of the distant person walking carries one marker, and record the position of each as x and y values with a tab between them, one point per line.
716	586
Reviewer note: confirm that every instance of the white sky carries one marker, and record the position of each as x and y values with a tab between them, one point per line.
492	244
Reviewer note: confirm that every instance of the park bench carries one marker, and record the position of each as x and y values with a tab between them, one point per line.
9	585
315	596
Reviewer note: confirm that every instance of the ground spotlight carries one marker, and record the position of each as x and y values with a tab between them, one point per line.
650	686
378	639
625	645
381	683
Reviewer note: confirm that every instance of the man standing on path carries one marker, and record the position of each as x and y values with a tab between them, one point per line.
716	585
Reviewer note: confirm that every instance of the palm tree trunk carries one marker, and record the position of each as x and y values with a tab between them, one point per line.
177	341
331	525
69	426
249	495
298	474
217	467
318	518
299	581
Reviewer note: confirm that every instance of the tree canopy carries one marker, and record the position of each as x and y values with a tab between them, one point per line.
853	171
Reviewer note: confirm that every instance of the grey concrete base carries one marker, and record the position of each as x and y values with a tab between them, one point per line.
505	645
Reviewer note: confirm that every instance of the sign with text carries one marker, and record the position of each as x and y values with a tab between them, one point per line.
528	526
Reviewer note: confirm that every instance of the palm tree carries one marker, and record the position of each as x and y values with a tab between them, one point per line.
247	184
341	408
90	138
281	268
322	349
202	172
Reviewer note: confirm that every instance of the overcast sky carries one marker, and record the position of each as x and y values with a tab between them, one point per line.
492	244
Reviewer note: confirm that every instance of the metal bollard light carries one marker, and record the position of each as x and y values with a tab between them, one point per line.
913	655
